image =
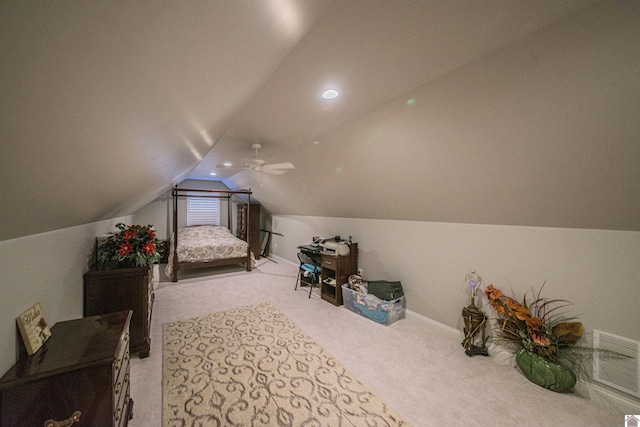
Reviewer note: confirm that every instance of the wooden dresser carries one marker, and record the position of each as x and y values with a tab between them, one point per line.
81	370
253	226
106	291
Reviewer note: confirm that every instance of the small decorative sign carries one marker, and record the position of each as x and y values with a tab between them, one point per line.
33	328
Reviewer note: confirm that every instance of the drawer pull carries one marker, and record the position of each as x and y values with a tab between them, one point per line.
64	423
118	387
117	364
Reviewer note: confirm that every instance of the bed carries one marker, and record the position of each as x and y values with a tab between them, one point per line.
204	246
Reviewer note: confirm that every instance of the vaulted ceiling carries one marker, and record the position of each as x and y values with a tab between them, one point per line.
505	112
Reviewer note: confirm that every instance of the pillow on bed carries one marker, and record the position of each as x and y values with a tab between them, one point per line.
204	230
219	231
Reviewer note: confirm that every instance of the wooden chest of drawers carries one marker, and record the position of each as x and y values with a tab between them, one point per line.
106	291
83	369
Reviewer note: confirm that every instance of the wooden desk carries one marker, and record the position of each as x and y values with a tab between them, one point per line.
335	271
311	251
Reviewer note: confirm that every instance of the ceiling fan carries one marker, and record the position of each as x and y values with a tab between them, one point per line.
261	165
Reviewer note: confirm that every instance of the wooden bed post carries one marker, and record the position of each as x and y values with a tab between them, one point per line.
247	231
229	213
174	271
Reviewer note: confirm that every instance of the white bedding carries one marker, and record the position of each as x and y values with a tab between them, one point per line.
206	243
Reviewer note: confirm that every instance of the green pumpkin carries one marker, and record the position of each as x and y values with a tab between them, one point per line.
541	371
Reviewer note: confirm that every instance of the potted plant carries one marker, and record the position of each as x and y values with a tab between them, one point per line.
130	246
544	339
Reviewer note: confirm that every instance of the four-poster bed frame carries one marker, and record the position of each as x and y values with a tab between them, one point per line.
218	194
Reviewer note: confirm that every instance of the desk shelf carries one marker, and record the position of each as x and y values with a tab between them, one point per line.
335	271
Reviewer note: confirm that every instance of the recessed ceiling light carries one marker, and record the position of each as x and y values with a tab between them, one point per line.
213	174
227	164
330	94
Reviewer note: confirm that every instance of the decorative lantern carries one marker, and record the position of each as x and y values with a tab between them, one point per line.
475	321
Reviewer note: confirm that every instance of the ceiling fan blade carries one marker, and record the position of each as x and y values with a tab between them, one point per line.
278	166
273	171
232	167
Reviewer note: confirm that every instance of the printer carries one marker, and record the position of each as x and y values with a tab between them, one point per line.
333	247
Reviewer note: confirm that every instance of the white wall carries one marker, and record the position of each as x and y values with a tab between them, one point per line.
599	271
159	213
45	268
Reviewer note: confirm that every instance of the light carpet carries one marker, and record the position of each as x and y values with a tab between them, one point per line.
253	366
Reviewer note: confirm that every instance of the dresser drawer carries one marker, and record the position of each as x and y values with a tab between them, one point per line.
122	356
121	383
329	262
120	387
124	419
122	397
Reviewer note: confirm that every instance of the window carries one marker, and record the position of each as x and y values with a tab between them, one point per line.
203	210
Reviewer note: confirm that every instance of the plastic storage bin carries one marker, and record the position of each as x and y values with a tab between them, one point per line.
381	311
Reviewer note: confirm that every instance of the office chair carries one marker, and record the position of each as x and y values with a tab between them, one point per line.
307	264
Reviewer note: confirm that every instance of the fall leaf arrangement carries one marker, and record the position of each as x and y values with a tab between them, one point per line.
538	325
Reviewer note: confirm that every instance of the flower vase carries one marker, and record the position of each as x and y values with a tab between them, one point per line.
547	374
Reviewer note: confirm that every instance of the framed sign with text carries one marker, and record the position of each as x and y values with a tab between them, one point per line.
33	328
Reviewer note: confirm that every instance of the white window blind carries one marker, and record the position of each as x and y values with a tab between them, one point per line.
203	210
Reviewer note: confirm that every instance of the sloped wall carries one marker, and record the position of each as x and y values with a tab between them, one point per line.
542	132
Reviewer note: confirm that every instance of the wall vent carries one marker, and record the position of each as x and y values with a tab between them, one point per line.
622	373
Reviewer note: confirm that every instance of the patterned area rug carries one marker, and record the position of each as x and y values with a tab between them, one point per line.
253	366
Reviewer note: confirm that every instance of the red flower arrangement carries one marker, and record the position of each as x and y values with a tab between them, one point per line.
133	245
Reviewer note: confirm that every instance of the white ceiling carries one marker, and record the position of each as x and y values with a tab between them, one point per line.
106	105
372	51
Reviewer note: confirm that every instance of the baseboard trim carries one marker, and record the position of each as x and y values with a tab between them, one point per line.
433	325
587	390
595	392
499	355
276	258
